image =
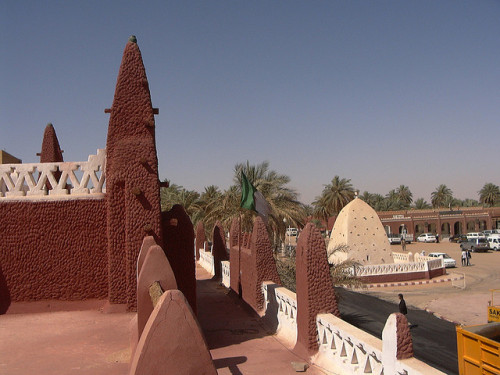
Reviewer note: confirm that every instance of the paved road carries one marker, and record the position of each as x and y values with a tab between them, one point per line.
434	340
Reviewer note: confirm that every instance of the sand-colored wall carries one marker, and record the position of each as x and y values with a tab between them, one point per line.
359	227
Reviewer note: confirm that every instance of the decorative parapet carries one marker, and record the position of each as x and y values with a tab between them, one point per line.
226	274
284	302
398	268
207	262
30	180
402	257
345	349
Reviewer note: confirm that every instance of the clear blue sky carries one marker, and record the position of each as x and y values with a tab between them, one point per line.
381	92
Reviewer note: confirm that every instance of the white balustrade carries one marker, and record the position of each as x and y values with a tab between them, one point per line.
284	302
29	181
398	268
207	262
346	349
226	273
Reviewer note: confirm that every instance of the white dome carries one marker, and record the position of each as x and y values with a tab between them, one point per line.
359	228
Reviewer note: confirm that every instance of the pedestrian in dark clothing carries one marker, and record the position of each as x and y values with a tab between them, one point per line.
402	306
468	257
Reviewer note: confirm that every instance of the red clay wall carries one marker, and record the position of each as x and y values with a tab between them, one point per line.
53	250
132	185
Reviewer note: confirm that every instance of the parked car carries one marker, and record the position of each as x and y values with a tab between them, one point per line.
458	238
494	243
476	245
426	237
447	260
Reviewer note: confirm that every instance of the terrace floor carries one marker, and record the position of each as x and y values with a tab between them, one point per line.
61	338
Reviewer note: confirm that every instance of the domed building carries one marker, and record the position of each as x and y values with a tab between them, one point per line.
359	230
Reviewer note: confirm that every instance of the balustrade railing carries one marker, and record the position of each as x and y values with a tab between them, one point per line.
226	273
35	180
207	261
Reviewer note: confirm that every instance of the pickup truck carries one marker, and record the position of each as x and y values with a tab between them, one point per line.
395	239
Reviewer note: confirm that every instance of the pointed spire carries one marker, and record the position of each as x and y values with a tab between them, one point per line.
132	113
51	151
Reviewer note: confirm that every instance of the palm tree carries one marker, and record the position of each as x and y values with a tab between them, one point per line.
468	202
283	201
334	198
404	194
421	204
489	194
441	196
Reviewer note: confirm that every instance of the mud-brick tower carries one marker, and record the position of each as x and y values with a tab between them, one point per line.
132	184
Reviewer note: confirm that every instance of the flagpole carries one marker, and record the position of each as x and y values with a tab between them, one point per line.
240	235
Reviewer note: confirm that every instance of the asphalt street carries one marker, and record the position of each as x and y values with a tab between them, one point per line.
434	339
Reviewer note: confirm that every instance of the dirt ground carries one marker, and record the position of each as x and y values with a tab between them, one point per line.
467	306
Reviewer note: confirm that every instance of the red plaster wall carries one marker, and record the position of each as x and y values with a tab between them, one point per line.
234	265
53	250
256	260
200	238
132	185
219	249
315	293
178	239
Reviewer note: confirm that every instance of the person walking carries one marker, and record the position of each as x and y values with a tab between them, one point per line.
403	244
469	255
464	257
402	306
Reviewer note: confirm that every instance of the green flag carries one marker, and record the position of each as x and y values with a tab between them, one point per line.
252	199
247	192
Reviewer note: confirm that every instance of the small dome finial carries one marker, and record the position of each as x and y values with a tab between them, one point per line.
132	39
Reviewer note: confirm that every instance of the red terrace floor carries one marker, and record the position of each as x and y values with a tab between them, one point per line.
36	338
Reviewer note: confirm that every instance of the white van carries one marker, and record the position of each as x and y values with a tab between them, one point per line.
474	235
494	243
489	232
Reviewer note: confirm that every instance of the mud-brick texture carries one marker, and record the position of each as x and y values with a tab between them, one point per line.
178	239
132	185
51	151
234	265
256	261
200	238
403	336
53	250
259	266
219	251
315	292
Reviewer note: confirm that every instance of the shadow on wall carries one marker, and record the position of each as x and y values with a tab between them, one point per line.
4	294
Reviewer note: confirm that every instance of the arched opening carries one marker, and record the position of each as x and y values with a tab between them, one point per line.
387	229
403	229
482	225
471	226
445	229
419	229
432	228
457	227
